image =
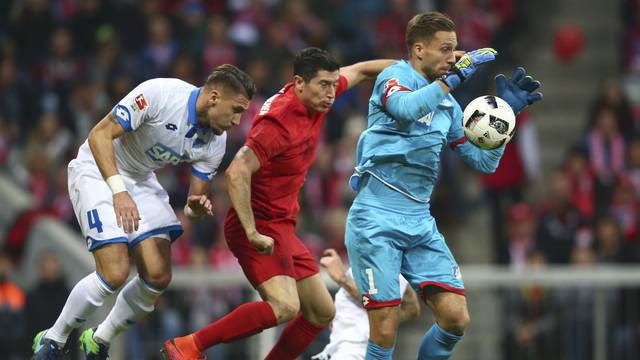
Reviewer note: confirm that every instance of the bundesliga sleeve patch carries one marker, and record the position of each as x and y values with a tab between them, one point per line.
392	86
141	102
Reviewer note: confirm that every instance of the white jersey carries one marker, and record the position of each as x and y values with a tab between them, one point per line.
350	326
159	117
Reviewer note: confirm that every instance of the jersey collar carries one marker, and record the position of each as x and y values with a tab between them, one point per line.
191	108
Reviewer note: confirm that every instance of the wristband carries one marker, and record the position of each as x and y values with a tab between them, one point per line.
190	213
116	184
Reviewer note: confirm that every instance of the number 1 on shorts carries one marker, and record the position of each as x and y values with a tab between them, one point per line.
372	285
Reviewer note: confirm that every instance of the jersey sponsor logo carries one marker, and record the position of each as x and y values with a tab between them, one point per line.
171	126
164	154
141	102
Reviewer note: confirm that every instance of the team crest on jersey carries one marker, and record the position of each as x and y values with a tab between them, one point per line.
141	102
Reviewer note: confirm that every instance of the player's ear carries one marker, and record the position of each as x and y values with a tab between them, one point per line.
298	82
214	96
417	49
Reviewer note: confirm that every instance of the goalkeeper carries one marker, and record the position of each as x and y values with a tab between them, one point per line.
390	230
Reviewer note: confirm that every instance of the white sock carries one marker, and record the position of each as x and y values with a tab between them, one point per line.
88	295
134	302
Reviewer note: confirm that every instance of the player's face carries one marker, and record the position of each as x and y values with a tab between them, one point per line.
225	109
319	93
436	57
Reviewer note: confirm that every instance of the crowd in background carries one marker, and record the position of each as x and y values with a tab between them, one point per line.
64	64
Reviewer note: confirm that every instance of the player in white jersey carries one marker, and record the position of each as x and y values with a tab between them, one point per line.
350	326
123	210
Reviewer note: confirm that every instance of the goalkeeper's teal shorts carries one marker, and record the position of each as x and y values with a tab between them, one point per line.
388	234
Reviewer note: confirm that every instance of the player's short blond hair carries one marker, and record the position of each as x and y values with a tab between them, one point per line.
424	26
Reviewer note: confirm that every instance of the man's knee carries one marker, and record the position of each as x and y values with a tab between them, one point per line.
115	274
455	322
322	315
285	309
159	279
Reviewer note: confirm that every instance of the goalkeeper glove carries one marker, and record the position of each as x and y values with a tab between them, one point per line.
518	91
467	65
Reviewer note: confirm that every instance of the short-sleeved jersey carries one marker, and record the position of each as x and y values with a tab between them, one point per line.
284	138
351	323
403	150
159	119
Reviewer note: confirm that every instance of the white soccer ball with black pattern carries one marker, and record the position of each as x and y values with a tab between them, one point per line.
489	122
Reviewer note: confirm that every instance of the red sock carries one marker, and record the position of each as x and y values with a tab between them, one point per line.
248	319
295	337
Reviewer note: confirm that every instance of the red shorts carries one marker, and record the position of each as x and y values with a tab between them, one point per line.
290	256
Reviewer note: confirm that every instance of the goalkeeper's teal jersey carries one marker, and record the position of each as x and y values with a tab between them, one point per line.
410	122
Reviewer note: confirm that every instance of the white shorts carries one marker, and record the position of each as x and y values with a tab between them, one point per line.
343	351
92	202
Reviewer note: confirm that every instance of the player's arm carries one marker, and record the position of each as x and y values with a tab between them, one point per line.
238	175
335	268
365	70
410	306
101	143
198	202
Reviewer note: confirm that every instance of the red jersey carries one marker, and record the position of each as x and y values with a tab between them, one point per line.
284	138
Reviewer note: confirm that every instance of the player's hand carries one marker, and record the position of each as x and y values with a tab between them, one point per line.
335	268
126	210
262	243
200	205
467	65
518	91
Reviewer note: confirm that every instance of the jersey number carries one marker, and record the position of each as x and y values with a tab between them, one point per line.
94	220
372	285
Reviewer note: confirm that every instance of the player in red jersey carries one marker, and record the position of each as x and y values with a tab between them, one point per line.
264	181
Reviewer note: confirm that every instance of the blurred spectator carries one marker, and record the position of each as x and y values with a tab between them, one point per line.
217	49
606	149
532	326
581	183
518	168
160	49
46	299
520	234
12	313
389	39
612	96
558	222
624	208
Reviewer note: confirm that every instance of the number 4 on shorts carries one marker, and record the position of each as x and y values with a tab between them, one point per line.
94	220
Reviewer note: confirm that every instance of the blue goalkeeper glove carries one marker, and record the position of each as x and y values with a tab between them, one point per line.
518	91
467	65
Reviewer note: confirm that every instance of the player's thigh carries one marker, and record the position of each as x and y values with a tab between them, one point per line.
153	260
92	203
370	237
430	263
315	301
112	263
281	292
156	214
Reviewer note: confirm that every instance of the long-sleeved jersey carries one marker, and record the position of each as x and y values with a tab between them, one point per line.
410	122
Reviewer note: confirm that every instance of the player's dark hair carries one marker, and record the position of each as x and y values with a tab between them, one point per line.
234	78
309	61
424	26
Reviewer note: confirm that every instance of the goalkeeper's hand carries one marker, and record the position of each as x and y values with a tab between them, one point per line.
518	91
467	65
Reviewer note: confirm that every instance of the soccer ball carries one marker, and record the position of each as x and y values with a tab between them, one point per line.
488	122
